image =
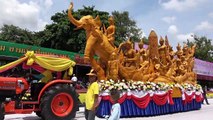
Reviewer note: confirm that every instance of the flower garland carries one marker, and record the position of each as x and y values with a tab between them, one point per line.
190	87
145	86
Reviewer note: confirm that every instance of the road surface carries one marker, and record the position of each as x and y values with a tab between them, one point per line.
205	113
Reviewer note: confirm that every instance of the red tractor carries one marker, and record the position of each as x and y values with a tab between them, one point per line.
54	99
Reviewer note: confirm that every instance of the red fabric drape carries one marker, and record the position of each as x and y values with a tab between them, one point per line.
171	102
188	98
141	102
34	66
106	98
198	98
144	101
160	99
120	101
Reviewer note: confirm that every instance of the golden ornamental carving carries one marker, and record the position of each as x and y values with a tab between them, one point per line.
157	63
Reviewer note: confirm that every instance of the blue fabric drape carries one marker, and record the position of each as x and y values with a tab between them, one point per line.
130	109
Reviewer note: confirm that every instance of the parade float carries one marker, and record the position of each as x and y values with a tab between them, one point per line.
152	81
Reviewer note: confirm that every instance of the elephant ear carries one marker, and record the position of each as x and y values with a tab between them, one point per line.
97	21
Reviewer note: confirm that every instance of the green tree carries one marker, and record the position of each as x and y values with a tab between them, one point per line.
145	40
203	48
15	34
125	28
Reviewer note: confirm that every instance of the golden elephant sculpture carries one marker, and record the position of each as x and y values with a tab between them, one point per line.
96	44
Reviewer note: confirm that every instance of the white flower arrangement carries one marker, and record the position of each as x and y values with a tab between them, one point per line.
145	86
198	88
190	87
134	85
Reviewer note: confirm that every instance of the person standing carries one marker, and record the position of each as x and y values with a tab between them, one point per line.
91	96
74	79
204	95
116	108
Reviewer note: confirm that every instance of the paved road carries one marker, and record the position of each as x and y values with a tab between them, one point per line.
206	113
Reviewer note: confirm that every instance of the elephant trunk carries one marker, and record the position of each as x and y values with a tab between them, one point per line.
71	18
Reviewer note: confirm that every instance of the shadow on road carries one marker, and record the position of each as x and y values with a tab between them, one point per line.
31	118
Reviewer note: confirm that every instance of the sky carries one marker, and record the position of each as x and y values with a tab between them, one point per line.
178	19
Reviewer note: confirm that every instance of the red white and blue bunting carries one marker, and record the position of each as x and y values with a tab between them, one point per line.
142	99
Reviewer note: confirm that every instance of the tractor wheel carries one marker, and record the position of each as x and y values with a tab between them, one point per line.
59	103
1	111
38	113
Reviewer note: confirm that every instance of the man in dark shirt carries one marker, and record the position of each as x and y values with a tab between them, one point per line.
204	95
